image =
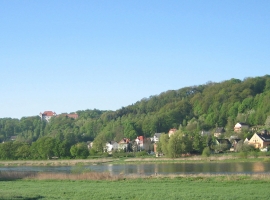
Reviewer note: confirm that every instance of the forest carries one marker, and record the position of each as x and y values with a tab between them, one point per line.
189	109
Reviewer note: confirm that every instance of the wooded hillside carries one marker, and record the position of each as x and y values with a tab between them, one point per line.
193	109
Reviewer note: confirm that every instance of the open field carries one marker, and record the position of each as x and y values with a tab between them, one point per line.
180	187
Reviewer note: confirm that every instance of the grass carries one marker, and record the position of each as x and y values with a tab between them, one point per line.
45	186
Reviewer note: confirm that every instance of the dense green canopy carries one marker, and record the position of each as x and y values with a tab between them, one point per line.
190	109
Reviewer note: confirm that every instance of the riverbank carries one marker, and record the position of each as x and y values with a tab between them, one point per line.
71	162
126	160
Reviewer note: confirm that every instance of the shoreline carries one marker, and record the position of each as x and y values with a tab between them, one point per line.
74	162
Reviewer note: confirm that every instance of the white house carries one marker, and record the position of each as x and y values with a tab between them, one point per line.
143	143
123	144
205	133
240	126
112	145
47	115
156	137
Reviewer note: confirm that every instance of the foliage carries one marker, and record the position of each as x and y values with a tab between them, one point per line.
206	152
79	150
195	108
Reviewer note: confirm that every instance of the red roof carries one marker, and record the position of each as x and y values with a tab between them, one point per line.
140	138
48	113
75	116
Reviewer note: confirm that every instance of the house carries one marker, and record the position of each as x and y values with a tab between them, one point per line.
205	133
240	126
234	143
246	141
219	131
123	144
156	137
89	144
74	115
47	115
139	141
143	143
112	145
172	131
260	141
12	138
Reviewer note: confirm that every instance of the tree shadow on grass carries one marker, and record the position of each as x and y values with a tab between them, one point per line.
22	198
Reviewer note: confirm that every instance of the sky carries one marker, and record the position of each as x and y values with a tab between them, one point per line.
65	56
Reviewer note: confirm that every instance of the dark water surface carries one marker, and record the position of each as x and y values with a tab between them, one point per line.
159	168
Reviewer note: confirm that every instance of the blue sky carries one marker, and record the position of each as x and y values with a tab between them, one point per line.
66	55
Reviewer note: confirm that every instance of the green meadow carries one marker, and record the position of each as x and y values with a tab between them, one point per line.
191	187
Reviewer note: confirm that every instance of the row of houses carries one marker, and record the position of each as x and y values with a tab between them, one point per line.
139	144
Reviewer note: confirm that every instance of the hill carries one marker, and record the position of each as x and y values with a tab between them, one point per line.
193	108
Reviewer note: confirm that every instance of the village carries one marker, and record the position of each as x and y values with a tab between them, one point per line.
260	139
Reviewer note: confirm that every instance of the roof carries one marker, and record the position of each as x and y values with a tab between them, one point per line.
48	113
243	123
223	141
264	137
140	138
112	142
124	141
220	130
172	130
157	135
75	116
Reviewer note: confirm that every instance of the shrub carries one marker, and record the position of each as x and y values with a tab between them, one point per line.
255	154
243	154
206	152
141	153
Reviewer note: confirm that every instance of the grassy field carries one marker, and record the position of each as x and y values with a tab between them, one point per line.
191	187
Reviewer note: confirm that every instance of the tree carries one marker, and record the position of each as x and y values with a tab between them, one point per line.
197	143
175	147
206	152
163	143
44	148
23	151
267	121
79	150
99	143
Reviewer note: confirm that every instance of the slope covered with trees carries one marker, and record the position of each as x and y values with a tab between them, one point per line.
189	109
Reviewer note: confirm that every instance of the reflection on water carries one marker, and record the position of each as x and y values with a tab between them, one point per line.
259	167
159	168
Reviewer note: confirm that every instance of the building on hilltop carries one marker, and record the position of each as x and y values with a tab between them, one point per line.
74	115
47	115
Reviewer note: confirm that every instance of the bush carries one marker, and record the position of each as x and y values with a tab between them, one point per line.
243	154
255	154
206	152
121	154
141	153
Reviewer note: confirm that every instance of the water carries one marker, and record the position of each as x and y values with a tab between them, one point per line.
159	168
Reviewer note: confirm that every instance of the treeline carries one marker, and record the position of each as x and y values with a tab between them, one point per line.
190	109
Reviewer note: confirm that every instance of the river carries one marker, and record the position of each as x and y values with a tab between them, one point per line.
156	168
